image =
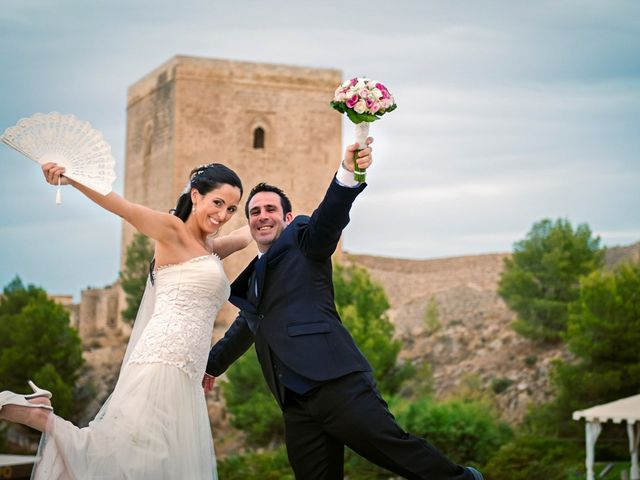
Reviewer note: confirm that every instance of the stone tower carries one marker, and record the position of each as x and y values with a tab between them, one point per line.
268	122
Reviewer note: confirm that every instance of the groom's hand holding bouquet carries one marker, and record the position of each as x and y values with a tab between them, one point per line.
364	101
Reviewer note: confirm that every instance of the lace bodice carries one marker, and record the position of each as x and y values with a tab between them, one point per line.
188	297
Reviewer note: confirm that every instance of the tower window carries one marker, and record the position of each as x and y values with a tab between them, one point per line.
258	138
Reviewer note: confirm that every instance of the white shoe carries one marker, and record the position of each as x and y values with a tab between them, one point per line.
37	392
10	398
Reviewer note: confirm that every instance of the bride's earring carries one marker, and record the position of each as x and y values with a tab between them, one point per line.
193	209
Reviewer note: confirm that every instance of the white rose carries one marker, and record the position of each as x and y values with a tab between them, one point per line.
376	93
360	107
361	83
353	91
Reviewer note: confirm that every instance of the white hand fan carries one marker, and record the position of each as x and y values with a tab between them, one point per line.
69	142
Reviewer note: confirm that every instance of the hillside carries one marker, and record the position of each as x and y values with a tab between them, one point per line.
475	340
475	343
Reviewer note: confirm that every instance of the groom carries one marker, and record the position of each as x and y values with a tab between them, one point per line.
316	373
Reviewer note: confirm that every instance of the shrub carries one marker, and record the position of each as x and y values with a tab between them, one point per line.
468	432
500	384
529	457
266	465
431	318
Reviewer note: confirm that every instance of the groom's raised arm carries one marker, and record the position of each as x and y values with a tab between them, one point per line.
320	236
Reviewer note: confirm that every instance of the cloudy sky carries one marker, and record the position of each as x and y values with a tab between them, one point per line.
509	112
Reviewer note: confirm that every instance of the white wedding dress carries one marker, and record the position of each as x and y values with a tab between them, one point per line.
155	424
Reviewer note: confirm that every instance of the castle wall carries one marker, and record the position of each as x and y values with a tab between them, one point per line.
99	314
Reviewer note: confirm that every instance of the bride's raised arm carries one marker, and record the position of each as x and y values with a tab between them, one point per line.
159	226
225	245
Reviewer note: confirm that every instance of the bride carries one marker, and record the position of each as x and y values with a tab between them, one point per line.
155	423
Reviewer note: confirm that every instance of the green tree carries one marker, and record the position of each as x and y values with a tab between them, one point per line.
542	277
362	305
248	399
36	342
603	334
133	278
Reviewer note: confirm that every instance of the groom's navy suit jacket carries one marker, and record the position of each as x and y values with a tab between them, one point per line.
294	315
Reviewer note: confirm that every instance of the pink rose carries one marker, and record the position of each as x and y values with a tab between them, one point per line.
370	102
383	90
352	101
374	107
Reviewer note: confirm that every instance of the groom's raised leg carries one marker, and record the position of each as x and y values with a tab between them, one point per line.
358	416
312	453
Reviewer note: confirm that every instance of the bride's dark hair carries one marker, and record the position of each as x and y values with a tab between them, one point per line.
204	179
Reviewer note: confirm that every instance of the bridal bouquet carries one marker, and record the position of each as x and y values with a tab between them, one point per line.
364	101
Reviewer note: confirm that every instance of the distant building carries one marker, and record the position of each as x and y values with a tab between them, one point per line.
73	308
100	313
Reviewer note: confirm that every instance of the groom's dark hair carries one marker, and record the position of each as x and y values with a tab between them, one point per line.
265	187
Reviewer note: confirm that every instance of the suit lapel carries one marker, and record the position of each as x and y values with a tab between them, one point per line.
240	287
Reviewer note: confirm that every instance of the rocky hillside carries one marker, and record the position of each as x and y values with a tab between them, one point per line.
446	312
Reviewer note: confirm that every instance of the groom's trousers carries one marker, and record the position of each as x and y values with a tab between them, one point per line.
350	411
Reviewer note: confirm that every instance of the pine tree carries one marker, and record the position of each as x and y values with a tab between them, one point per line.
542	277
36	342
133	278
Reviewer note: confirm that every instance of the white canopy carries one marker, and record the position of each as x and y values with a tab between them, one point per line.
623	410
